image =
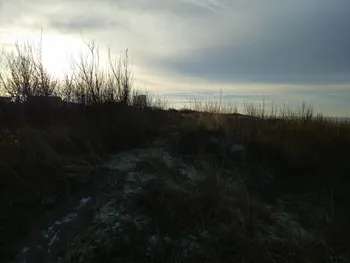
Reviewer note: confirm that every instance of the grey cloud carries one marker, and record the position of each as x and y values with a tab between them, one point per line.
302	44
84	23
181	7
111	14
265	64
227	41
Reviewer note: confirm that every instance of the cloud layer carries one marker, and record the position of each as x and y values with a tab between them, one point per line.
293	46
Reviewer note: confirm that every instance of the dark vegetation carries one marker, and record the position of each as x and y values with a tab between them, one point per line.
307	155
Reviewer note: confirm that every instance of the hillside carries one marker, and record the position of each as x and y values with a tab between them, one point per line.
89	175
173	186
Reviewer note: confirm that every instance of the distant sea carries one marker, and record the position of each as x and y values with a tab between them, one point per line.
339	119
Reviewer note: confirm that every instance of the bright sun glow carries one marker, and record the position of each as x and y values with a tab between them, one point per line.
57	50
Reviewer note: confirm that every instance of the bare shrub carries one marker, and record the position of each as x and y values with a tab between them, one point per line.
23	74
90	84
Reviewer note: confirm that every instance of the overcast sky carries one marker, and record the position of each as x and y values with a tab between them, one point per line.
283	51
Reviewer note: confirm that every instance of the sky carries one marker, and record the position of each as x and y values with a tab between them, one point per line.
273	51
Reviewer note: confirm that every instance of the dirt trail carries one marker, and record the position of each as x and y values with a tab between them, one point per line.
51	235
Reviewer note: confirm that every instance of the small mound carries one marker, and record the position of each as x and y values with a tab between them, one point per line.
167	210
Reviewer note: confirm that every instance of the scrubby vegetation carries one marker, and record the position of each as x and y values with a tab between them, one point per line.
202	184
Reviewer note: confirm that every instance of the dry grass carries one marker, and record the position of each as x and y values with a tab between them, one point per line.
36	142
163	208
